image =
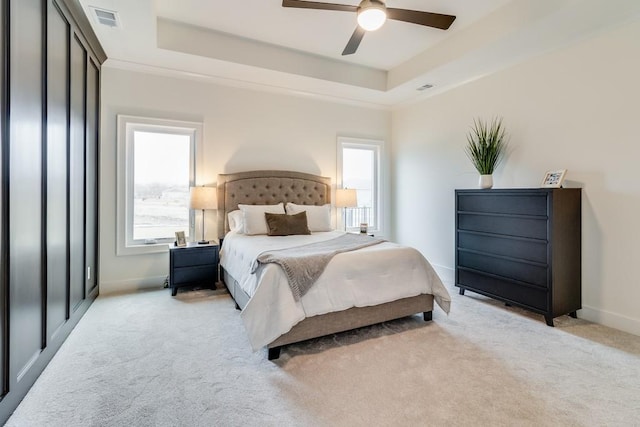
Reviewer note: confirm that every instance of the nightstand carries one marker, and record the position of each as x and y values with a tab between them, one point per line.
193	265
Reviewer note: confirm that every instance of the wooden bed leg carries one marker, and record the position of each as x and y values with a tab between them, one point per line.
461	292
573	314
427	315
549	320
274	353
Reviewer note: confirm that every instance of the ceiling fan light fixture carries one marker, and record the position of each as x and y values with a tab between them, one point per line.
371	15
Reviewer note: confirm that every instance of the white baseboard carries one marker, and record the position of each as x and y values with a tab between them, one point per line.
447	274
612	320
131	285
592	314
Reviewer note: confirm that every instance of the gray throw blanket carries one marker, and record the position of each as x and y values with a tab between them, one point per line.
304	264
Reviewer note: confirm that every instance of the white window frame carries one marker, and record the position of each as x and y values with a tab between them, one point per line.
377	146
126	126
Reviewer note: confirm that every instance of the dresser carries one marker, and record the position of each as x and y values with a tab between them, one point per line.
521	246
194	264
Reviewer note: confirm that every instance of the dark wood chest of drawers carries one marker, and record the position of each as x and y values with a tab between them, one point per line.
192	265
521	246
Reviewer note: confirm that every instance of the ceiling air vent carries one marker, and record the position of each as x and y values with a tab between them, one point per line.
106	17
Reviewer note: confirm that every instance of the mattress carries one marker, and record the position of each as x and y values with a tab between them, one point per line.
366	277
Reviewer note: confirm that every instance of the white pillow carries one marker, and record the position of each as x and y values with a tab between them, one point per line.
318	217
236	221
254	219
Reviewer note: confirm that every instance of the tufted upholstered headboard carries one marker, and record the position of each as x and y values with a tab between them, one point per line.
268	188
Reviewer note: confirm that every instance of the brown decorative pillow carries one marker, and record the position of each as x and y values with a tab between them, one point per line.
287	225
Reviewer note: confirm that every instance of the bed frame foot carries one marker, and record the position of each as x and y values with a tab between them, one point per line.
427	315
573	314
273	353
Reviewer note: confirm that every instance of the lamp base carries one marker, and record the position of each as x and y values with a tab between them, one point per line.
203	242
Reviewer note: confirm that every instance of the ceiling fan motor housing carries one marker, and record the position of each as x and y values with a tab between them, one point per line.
372	14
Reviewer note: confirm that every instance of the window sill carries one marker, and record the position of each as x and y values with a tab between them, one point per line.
155	248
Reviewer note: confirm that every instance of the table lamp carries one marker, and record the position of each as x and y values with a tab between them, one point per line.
203	198
346	198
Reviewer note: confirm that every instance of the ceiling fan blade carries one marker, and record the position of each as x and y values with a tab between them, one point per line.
354	41
435	20
317	5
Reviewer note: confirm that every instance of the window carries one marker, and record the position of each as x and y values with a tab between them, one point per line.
156	164
359	168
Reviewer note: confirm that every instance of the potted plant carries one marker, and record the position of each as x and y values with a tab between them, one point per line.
486	146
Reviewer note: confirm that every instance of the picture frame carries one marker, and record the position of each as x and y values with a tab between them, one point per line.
180	239
553	179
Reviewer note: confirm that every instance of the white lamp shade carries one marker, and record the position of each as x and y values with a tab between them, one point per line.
346	198
371	15
203	198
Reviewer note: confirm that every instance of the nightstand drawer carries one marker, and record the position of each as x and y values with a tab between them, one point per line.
205	274
194	256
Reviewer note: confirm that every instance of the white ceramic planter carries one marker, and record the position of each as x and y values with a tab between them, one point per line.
486	181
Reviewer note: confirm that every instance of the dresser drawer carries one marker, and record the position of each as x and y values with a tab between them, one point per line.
530	297
521	271
524	204
205	273
532	250
535	228
194	256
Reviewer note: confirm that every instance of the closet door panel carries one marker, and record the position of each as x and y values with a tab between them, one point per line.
57	168
25	186
77	174
4	345
92	175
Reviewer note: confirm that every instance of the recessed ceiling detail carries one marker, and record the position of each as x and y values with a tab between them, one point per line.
297	50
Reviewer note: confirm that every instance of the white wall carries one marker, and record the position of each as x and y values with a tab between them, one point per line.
243	130
575	108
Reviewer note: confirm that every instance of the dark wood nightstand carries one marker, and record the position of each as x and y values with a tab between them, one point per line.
193	265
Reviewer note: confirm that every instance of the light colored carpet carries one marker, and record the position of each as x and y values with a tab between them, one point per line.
147	359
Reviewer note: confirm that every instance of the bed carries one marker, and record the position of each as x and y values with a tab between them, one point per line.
272	316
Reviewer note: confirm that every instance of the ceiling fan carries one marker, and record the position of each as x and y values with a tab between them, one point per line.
372	14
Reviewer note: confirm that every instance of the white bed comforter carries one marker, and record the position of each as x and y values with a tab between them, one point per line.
369	276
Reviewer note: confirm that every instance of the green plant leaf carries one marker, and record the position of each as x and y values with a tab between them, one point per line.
486	145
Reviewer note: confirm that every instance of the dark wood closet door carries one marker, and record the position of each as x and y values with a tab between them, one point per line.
4	345
25	186
57	170
91	174
77	173
43	186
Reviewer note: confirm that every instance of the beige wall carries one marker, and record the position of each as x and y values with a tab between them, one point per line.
243	130
575	108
